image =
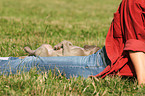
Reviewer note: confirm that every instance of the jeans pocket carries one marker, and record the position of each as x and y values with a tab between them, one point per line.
99	61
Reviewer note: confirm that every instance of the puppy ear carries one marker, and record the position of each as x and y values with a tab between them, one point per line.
89	47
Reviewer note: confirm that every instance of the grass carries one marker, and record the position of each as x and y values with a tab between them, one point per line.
31	83
35	22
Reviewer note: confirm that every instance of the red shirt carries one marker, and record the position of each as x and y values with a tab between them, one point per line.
127	32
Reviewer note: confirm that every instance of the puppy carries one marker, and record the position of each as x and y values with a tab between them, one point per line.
65	48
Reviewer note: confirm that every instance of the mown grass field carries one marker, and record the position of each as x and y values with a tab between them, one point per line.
34	22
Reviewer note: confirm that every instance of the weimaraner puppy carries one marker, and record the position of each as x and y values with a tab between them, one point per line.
65	48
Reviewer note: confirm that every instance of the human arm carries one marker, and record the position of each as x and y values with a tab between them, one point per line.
138	60
134	32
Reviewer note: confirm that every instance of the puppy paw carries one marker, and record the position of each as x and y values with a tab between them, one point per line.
57	47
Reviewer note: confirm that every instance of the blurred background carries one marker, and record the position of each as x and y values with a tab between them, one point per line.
35	22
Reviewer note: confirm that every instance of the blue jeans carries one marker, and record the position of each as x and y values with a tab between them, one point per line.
71	66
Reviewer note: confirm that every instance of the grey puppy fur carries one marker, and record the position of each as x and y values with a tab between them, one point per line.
65	48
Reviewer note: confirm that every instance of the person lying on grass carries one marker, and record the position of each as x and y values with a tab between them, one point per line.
123	54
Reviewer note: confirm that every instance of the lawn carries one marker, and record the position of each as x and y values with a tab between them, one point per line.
35	22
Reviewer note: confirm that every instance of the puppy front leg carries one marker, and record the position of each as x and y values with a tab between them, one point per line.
66	47
60	45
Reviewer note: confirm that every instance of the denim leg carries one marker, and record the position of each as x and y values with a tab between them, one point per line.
71	65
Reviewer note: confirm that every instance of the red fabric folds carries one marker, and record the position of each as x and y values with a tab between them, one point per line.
127	32
135	45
